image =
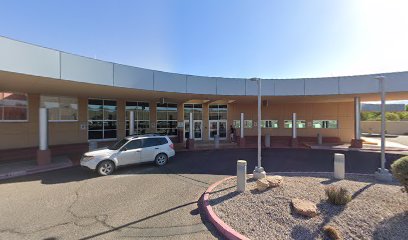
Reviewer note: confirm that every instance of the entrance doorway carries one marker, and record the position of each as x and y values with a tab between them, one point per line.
197	129
218	127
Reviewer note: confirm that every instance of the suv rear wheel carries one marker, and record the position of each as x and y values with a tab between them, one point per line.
105	168
161	159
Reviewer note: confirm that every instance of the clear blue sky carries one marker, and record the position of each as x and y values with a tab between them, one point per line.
230	38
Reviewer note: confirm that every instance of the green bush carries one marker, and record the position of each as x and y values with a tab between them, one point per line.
337	195
400	171
392	116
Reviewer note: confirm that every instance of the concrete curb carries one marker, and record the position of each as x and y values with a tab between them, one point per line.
224	229
35	170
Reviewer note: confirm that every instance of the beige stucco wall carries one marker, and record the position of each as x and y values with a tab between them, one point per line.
392	127
343	112
25	134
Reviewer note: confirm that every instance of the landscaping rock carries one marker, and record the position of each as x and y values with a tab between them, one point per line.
262	184
304	207
274	181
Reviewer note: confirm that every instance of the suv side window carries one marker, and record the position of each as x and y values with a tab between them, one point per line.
151	142
135	144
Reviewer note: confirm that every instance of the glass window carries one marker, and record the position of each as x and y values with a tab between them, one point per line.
300	123
218	112
324	123
167	119
13	106
269	123
151	142
196	109
135	144
102	122
118	144
236	123
248	124
60	108
142	117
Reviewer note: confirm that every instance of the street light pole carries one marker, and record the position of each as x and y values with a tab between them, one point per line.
259	170
382	173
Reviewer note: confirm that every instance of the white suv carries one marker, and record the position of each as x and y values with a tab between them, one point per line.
130	150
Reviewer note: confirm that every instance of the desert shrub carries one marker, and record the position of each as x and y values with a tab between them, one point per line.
337	195
400	171
392	116
332	233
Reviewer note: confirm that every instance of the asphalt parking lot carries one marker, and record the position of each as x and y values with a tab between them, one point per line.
144	201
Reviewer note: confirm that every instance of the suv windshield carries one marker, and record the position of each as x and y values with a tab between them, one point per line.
118	145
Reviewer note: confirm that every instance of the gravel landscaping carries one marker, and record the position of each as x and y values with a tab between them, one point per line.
376	211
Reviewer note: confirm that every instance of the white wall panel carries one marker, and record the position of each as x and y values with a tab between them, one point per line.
321	86
169	82
82	69
358	84
268	87
289	87
132	77
201	85
29	59
230	86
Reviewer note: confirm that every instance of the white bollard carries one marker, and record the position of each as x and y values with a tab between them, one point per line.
268	140
217	141
319	139
241	175
339	168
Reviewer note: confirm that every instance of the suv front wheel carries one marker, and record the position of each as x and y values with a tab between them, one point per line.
105	168
161	159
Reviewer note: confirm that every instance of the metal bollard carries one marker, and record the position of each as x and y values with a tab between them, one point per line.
319	139
268	140
241	175
339	168
217	141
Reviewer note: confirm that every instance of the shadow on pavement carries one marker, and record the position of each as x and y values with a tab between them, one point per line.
223	162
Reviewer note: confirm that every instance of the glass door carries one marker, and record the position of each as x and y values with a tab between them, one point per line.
197	129
218	127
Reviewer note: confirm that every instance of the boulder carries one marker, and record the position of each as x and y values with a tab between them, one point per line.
274	181
304	207
262	184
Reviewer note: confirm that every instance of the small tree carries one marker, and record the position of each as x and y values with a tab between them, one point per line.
400	171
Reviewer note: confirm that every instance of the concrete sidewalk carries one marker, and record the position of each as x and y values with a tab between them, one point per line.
27	167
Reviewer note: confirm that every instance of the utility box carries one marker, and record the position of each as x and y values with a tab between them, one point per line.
241	175
339	166
93	145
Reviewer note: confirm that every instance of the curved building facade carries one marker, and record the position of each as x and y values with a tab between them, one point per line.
89	100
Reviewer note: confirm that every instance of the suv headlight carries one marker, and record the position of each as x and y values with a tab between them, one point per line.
87	158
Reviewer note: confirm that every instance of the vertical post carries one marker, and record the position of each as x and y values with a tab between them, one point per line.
190	140
294	140
259	171
357	142
131	123
294	125
241	175
242	137
43	152
191	126
382	89
383	174
43	129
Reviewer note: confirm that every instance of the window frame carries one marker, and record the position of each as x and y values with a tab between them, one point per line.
102	120
322	120
167	118
28	109
59	113
300	120
127	121
272	120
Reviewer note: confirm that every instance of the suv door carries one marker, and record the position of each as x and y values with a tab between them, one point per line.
130	153
150	149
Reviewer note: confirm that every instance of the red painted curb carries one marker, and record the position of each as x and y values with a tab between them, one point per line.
221	226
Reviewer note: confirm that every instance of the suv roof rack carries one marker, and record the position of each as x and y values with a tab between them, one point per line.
146	135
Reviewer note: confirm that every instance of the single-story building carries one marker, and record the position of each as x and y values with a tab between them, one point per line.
89	100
